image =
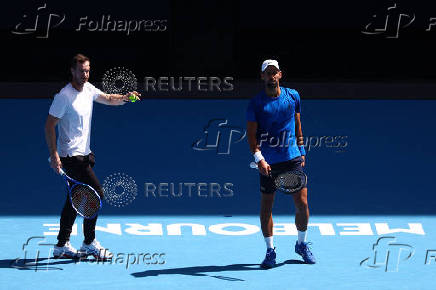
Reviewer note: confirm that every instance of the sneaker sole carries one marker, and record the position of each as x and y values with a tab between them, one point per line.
307	262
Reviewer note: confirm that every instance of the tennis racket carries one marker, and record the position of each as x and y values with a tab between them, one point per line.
288	182
84	199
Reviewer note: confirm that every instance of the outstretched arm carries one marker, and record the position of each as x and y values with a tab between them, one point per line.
116	99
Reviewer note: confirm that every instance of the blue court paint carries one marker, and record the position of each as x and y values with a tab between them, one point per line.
369	164
215	261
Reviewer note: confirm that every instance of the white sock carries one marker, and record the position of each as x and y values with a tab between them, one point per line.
269	242
301	237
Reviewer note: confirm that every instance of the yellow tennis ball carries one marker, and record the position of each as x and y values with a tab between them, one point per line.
132	98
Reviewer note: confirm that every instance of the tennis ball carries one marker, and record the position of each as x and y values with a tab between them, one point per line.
132	98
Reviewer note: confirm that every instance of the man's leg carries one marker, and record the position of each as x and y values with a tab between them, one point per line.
301	221
91	179
302	210
90	245
266	220
63	248
68	215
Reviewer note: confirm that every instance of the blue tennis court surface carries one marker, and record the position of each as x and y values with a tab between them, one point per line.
197	173
216	252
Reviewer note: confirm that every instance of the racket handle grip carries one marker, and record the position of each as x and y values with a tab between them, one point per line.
61	171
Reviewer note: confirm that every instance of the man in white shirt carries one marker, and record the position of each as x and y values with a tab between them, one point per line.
71	110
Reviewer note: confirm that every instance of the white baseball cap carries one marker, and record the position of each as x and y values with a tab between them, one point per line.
268	62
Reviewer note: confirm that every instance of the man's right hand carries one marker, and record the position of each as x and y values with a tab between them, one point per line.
55	162
264	167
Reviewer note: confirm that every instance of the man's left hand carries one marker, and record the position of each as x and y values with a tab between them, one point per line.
127	96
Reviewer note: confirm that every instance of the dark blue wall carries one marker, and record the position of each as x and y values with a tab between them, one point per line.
381	162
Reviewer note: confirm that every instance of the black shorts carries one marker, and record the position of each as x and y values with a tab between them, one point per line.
267	185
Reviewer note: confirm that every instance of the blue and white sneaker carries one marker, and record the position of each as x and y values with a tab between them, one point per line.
65	252
270	259
96	250
303	250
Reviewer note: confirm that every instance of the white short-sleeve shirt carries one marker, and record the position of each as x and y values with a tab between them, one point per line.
74	109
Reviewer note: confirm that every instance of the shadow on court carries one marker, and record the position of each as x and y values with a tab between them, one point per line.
41	264
201	270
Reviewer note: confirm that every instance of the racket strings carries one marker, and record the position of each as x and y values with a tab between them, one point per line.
290	181
85	200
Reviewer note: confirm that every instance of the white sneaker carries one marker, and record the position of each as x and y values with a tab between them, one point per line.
65	252
96	250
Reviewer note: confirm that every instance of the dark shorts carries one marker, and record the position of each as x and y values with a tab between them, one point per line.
267	185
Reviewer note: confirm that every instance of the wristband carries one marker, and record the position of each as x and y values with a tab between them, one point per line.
302	151
258	157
